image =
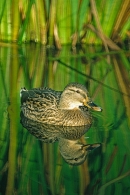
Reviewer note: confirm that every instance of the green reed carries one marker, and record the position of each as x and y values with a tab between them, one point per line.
59	22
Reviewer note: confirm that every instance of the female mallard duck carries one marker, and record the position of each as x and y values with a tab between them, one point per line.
67	108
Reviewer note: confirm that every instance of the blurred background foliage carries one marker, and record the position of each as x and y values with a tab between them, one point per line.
58	22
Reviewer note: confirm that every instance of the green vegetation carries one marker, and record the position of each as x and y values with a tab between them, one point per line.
59	22
29	166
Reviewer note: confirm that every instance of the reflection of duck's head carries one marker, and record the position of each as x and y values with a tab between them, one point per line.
75	153
67	108
72	151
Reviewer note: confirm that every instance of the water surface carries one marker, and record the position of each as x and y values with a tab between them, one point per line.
30	166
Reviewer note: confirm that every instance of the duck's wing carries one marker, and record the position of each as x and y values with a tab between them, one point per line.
39	103
38	93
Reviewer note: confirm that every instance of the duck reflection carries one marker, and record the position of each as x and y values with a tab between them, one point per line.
73	152
71	149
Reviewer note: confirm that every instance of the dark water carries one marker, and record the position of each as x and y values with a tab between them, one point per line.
30	166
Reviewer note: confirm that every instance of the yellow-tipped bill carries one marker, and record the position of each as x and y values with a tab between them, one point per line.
93	106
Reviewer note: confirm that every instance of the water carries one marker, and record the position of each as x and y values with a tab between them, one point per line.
29	165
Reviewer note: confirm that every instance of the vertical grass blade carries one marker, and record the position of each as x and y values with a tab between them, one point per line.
52	20
14	118
15	20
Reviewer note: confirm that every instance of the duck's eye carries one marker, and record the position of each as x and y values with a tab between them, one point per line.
78	91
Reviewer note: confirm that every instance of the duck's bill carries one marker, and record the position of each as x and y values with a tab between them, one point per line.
93	106
90	147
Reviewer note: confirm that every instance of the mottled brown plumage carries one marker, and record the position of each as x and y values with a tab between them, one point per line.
67	108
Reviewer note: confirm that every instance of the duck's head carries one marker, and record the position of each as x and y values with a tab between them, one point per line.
76	95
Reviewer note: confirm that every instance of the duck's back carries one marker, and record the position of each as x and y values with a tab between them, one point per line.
38	103
42	105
